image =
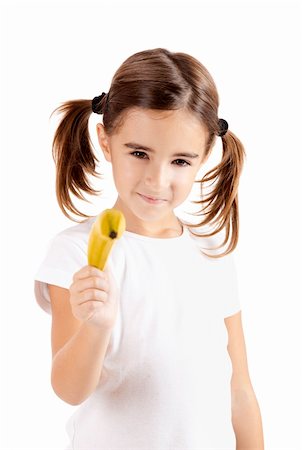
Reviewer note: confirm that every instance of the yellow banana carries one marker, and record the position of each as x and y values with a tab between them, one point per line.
108	227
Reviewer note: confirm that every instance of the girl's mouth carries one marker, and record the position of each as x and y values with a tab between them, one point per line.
153	201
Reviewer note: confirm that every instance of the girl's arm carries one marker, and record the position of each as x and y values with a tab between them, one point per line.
246	416
78	350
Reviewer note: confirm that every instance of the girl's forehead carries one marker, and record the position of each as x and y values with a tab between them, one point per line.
177	129
177	121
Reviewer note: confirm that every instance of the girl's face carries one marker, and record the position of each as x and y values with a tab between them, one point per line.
155	158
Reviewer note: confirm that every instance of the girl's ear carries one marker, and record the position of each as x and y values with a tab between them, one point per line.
103	141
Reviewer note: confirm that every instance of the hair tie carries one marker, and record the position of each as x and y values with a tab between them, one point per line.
95	103
223	127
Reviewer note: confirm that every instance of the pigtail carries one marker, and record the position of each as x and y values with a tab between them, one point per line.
222	202
73	154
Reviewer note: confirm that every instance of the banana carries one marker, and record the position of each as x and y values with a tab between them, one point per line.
107	228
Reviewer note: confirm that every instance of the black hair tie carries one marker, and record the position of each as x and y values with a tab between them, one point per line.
223	127
95	104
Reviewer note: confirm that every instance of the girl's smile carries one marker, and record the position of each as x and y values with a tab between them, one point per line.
152	200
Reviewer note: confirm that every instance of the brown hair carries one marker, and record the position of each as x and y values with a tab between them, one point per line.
152	79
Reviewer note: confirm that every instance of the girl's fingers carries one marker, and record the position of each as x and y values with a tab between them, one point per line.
95	282
88	271
92	295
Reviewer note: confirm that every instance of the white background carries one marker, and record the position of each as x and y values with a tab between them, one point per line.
52	52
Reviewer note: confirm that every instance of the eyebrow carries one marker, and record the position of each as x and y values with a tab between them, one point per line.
136	146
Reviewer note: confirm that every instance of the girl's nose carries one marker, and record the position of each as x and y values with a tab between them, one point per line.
157	177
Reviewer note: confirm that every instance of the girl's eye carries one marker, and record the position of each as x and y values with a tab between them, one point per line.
141	153
183	162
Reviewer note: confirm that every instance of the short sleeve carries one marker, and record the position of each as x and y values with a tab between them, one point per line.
228	287
63	258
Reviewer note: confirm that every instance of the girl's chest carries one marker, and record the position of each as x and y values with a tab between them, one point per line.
170	306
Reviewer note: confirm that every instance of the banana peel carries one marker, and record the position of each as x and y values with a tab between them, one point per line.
108	227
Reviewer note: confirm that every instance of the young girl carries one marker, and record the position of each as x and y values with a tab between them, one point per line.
151	348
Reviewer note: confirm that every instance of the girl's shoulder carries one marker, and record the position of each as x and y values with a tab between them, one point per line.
209	244
78	232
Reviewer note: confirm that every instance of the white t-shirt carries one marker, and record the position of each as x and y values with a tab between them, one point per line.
165	383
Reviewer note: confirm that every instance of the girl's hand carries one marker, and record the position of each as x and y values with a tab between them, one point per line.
94	296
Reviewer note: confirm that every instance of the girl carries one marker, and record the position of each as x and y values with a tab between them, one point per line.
151	348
